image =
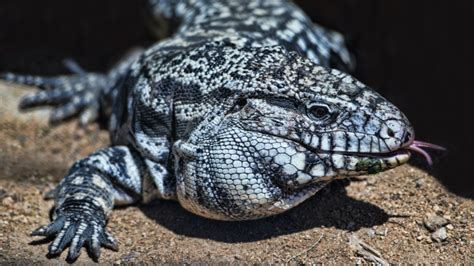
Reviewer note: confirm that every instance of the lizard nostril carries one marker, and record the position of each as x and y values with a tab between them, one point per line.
390	133
408	137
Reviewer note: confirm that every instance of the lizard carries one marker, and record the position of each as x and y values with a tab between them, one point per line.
243	112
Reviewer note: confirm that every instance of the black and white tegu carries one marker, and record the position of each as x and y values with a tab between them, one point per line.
244	112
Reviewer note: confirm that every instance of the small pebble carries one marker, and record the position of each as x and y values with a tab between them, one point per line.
449	227
371	181
381	231
433	222
419	182
7	201
371	232
440	235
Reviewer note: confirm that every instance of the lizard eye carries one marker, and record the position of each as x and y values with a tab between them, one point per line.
319	111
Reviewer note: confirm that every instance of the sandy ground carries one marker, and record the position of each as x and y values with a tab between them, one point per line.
381	218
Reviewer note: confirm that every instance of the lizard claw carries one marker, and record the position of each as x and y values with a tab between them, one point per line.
107	240
76	232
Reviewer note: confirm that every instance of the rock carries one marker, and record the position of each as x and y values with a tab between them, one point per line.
419	182
371	180
440	235
449	227
433	222
371	232
8	201
381	231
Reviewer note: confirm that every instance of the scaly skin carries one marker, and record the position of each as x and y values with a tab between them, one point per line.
238	115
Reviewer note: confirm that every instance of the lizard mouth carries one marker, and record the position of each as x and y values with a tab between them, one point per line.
400	155
415	146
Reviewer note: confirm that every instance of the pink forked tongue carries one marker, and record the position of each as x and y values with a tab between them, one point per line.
417	146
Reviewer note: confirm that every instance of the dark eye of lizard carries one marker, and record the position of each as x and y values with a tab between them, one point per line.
319	112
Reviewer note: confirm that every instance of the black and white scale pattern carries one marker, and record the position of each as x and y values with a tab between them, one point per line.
240	114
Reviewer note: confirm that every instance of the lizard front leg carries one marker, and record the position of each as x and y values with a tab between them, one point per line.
83	94
86	196
70	95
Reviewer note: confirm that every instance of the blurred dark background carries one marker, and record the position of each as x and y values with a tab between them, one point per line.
419	54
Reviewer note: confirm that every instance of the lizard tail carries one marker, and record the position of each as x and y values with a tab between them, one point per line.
170	9
340	58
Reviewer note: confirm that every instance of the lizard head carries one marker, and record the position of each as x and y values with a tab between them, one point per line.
349	127
295	127
334	125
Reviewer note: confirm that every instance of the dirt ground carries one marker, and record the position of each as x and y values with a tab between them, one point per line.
402	215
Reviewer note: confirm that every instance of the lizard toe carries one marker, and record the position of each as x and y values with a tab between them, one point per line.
108	241
51	97
66	111
93	244
83	233
63	238
50	229
89	115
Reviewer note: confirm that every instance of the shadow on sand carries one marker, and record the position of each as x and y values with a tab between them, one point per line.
331	207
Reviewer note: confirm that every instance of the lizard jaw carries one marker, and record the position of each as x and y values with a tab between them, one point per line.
403	154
